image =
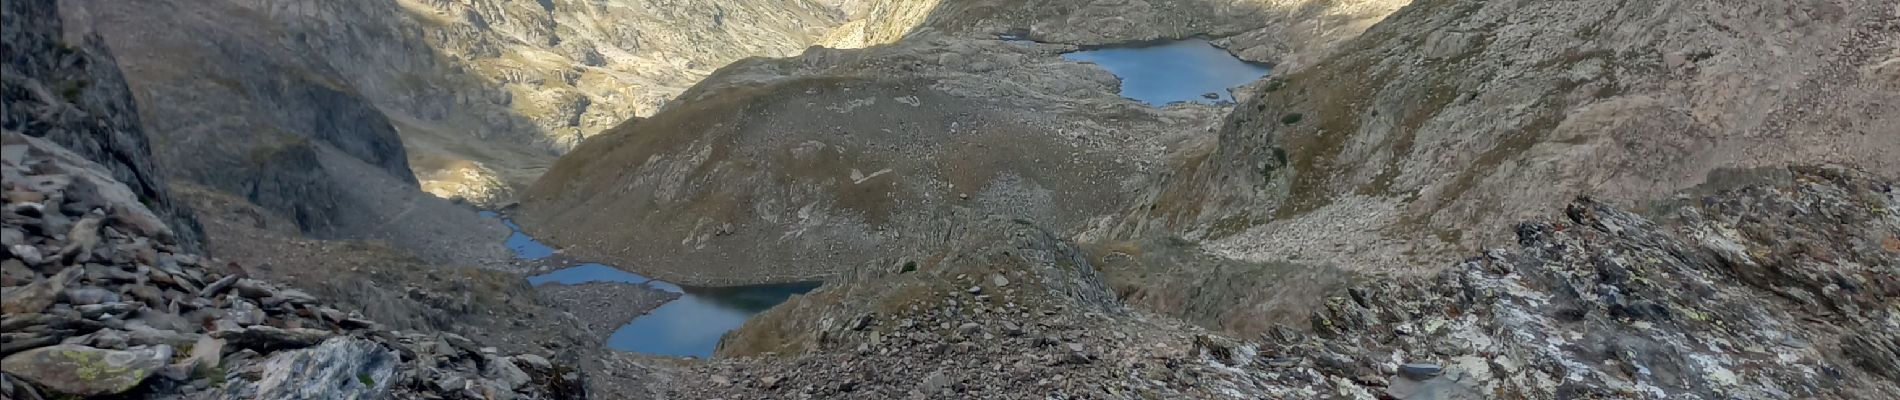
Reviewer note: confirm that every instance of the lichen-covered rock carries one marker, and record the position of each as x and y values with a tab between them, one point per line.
87	371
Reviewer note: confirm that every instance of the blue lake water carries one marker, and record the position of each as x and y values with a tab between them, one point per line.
525	247
688	326
1182	70
693	324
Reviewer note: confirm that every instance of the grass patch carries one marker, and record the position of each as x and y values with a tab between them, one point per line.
1275	84
1291	118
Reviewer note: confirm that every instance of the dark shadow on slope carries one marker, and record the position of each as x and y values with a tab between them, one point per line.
283	107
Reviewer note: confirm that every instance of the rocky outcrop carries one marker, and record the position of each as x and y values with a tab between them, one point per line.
61	84
354	365
578	68
1002	310
1621	306
102	309
992	265
384	283
1780	289
1287	33
1447	120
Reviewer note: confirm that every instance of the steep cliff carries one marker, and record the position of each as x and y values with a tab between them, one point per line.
251	100
60	83
576	68
470	100
103	299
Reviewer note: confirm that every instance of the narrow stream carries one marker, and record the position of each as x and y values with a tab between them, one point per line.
1190	70
688	326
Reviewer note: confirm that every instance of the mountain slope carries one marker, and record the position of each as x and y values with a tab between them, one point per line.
1450	118
293	105
788	170
1783	287
800	168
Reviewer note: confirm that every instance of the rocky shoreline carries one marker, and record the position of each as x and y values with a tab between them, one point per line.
603	307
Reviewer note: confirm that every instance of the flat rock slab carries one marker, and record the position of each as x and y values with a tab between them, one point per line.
87	371
604	306
264	338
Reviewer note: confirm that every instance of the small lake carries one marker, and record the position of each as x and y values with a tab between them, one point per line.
1175	71
688	326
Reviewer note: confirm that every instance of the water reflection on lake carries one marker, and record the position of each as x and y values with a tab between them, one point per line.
1182	70
688	326
693	324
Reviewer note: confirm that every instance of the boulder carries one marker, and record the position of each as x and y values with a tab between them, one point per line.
87	371
38	295
14	272
502	371
340	368
207	353
218	286
244	313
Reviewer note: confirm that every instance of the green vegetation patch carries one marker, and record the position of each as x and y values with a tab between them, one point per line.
1291	118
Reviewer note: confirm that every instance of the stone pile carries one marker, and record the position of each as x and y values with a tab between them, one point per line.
98	302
